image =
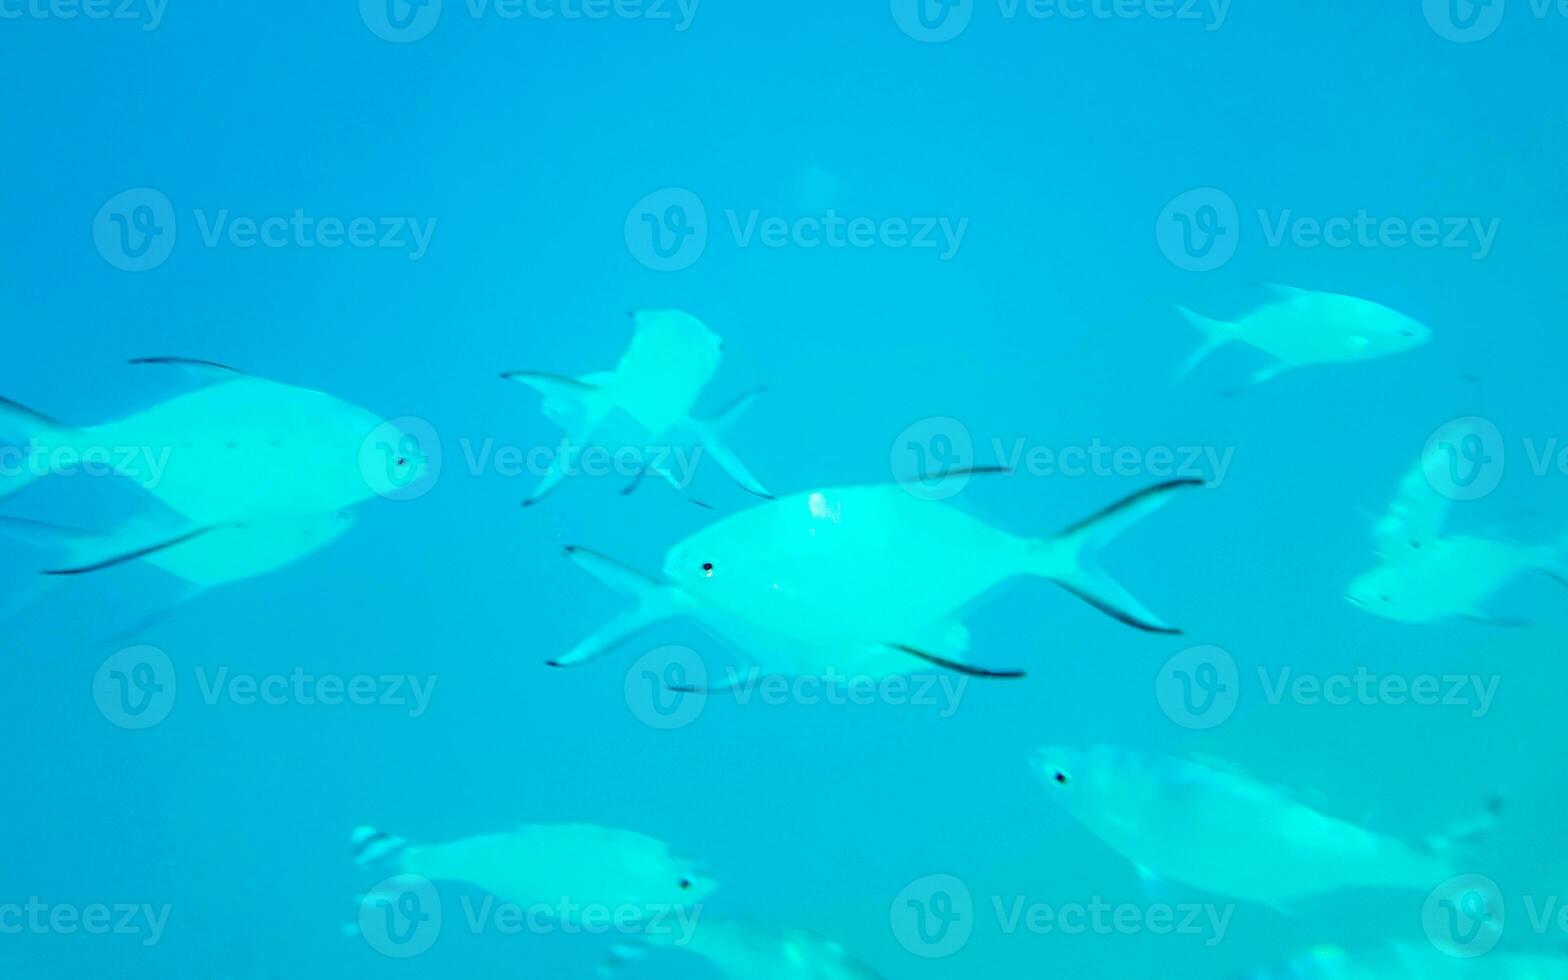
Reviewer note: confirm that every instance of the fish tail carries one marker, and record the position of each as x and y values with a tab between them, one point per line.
1216	334
710	434
576	406
36	434
374	848
656	601
1069	559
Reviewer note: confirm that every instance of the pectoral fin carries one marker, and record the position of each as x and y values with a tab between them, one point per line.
134	554
956	666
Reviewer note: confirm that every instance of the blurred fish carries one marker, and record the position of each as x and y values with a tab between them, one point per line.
1419	961
869	580
672	357
1425	576
561	867
202	560
744	951
1302	328
1207	826
238	449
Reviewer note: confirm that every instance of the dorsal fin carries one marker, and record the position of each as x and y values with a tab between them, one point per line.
203	369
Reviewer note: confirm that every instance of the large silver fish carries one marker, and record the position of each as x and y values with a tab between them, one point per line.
239	449
867	580
1209	827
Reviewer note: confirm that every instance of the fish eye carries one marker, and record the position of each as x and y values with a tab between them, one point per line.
1385	598
1061	778
402	461
685	884
707	568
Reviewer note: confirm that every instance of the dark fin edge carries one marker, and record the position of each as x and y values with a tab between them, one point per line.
138	553
190	362
959	668
1132	501
1122	615
963	471
19	408
546	375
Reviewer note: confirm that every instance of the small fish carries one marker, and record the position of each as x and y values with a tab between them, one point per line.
672	357
239	448
747	951
1302	328
1425	576
551	866
867	580
1419	961
1215	829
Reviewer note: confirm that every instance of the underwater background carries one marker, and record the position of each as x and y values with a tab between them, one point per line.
1062	183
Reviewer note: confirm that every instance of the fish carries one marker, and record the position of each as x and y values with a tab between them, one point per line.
1424	575
869	580
237	448
565	867
1418	961
1303	327
750	951
657	381
202	561
1206	825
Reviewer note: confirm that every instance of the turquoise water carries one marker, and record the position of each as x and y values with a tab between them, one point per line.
939	239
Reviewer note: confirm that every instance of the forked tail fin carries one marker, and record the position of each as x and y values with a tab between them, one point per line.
576	406
711	433
655	601
1216	334
1069	559
21	426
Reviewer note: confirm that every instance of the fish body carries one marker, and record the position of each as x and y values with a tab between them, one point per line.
1302	328
748	951
1419	961
1224	832
1423	574
656	382
551	866
239	448
871	576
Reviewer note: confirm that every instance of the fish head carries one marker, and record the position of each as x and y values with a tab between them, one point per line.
1377	331
1380	591
1098	783
710	567
400	461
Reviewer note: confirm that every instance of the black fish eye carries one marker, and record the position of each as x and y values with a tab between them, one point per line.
685	884
402	461
1061	778
707	568
1385	598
